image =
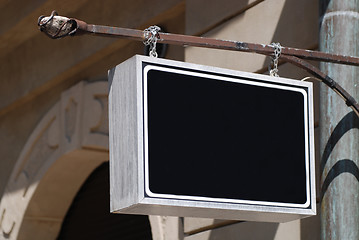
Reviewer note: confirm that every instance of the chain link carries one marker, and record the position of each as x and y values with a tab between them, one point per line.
277	51
151	36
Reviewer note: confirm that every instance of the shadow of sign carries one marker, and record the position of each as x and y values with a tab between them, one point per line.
350	121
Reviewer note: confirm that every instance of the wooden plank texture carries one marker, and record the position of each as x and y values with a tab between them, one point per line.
125	143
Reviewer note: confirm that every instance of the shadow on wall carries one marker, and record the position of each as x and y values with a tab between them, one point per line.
245	230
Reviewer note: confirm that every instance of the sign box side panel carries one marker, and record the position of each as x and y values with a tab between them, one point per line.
123	135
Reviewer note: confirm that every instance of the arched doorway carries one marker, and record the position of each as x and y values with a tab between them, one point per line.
66	146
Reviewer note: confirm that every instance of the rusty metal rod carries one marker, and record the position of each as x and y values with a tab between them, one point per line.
76	27
186	40
57	27
349	100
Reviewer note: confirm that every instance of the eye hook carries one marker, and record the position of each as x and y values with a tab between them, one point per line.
53	13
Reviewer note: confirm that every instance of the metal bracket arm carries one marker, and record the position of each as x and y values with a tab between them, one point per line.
56	26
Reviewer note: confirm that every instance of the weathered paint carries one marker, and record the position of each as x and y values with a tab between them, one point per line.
339	134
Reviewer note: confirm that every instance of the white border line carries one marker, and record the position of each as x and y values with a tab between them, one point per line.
228	79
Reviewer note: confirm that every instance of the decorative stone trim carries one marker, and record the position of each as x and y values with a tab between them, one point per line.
68	143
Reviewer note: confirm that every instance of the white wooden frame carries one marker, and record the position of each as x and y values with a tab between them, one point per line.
128	148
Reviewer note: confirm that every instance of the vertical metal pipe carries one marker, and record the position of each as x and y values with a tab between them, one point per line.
339	133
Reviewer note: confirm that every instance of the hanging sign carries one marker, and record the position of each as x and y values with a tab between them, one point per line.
199	141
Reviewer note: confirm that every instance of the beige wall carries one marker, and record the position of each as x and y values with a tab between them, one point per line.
35	71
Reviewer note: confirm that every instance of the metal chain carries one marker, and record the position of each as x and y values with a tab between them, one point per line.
277	51
151	36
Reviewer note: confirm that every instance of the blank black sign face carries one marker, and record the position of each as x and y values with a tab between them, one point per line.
212	139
